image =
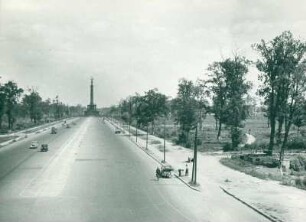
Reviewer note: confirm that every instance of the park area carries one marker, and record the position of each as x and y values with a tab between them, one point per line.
248	158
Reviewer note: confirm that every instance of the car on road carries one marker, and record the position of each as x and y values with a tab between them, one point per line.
117	131
53	130
34	145
166	171
68	126
44	147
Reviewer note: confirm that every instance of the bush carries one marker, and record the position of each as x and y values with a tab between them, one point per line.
298	163
258	159
228	147
300	182
236	136
269	161
296	143
257	146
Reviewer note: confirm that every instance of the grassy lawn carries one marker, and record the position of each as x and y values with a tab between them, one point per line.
257	126
289	178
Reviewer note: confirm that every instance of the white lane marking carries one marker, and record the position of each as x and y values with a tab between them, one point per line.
53	177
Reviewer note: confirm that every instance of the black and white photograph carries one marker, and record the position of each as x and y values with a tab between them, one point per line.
152	110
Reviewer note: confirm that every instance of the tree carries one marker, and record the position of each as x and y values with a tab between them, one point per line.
33	104
156	105
2	103
300	115
12	93
280	58
201	92
237	88
229	87
149	107
217	86
184	108
292	105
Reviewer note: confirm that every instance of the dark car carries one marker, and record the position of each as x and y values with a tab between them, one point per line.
53	130
44	147
166	171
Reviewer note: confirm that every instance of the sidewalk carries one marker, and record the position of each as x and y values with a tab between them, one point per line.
279	202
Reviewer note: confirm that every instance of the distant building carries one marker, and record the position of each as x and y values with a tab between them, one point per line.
91	108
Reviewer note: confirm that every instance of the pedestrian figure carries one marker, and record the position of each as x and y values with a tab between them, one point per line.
157	173
187	170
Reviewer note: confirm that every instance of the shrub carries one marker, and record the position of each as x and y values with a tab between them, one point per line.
236	136
296	143
300	182
269	161
258	159
228	147
298	163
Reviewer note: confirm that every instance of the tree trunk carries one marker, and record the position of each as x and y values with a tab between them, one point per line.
10	121
279	131
219	130
272	123
282	151
272	136
216	124
152	128
200	123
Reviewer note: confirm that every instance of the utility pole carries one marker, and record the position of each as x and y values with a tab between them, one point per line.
130	116
147	137
164	141
136	131
57	108
195	157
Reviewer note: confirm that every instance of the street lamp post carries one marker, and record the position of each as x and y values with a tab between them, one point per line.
164	140
147	137
195	157
136	130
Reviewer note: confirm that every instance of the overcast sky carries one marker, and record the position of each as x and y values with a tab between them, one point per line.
130	46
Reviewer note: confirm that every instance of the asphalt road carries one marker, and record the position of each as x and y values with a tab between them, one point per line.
92	174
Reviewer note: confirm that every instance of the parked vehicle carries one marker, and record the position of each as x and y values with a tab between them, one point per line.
117	131
53	130
34	145
166	171
44	147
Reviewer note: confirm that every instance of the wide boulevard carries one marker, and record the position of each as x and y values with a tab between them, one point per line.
92	174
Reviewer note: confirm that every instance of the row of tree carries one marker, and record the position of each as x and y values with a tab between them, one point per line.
15	104
225	93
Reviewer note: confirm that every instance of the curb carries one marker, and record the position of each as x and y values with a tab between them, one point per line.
194	188
154	158
273	219
159	161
